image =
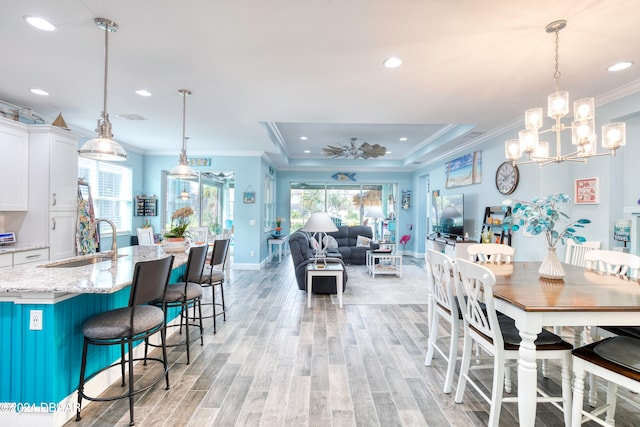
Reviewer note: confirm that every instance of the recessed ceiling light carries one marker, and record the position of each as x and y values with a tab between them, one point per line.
307	151
40	23
40	92
143	92
403	139
388	152
620	66
303	138
392	62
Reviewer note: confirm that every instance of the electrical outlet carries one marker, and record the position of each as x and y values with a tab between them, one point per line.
35	320
252	253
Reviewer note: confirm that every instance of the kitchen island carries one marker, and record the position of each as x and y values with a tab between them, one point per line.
39	368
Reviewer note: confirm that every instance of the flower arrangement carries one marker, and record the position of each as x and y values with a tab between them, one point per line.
180	220
543	216
278	224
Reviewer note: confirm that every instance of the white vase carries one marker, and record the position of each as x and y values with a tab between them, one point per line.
551	267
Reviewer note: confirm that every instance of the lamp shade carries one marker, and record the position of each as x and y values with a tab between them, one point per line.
103	148
319	222
374	212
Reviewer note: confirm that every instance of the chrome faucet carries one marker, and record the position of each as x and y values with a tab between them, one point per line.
114	240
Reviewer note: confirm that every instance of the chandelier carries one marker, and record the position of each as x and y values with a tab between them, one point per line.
364	151
583	134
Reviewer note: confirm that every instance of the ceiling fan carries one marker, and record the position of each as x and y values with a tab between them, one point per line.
363	151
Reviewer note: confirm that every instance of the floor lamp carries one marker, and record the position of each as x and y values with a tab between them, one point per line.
318	223
376	213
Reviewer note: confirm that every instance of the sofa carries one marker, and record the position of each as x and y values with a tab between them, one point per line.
302	254
347	239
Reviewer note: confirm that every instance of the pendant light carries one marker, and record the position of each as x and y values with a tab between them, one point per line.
183	170
103	147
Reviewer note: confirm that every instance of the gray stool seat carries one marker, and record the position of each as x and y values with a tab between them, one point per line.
114	324
176	292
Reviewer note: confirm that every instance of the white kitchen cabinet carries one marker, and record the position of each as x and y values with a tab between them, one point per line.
6	260
32	255
61	148
53	191
14	169
62	235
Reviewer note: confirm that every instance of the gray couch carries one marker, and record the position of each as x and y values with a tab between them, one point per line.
347	236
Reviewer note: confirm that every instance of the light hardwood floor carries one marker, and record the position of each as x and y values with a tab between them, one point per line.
275	363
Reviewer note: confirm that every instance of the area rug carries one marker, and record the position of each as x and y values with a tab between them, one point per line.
411	288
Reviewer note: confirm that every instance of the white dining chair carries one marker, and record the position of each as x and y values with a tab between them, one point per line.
621	264
612	359
443	306
491	252
145	236
199	235
574	252
499	337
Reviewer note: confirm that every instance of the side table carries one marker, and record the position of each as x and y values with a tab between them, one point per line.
325	270
280	243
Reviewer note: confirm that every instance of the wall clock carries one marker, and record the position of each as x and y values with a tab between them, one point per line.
507	177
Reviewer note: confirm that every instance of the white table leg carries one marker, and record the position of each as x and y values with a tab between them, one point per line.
339	287
280	252
527	374
309	289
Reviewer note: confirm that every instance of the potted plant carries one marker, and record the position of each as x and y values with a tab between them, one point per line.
180	220
543	216
278	229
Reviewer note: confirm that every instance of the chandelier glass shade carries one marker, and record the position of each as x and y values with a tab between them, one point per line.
583	129
183	170
104	147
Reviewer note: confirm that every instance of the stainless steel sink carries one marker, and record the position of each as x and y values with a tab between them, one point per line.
79	262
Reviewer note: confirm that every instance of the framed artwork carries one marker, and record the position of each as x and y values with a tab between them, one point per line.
465	170
249	197
586	191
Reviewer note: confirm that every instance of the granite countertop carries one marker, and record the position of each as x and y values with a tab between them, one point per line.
99	278
21	247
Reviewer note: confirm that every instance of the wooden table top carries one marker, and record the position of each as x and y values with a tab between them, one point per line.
581	290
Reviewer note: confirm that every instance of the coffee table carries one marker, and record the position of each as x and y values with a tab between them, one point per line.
383	262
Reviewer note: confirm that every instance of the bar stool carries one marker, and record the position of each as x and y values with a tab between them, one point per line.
186	294
213	275
124	326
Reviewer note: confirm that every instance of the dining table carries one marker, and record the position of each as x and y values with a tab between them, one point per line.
583	298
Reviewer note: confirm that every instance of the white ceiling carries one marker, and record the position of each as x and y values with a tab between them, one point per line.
264	73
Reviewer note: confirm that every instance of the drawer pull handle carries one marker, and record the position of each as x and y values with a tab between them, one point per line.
34	256
55	200
53	223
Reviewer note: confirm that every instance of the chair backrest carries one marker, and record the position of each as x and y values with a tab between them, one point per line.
474	286
574	253
195	263
150	280
219	254
145	236
491	252
613	262
199	235
440	275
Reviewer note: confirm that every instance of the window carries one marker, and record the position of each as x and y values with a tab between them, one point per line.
269	203
111	191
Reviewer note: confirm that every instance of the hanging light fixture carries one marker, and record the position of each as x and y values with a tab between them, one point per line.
582	127
103	147
183	170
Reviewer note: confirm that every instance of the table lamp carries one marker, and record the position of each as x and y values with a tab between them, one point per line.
376	213
318	223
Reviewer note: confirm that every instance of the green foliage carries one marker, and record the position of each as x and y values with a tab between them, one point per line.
543	216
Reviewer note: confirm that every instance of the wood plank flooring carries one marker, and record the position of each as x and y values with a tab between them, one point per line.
275	363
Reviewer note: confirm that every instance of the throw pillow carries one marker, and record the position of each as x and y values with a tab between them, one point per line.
363	241
330	242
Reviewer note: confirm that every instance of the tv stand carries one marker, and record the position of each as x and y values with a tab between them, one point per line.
452	246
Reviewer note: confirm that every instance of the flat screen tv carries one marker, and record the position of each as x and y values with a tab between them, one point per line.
448	215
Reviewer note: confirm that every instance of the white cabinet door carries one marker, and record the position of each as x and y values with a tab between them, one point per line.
62	235
6	260
14	170
63	173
